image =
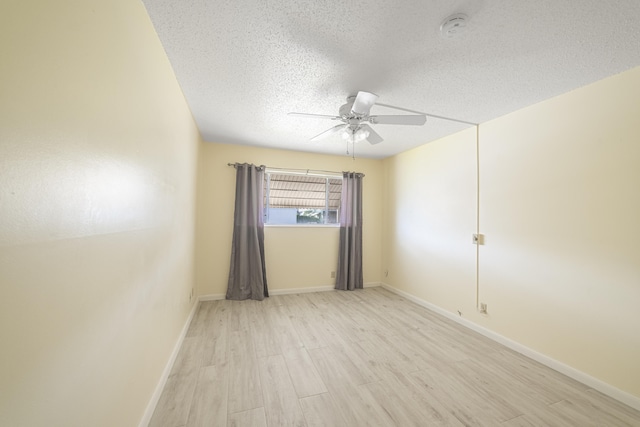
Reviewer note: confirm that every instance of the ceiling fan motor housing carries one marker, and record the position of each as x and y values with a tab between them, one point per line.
345	109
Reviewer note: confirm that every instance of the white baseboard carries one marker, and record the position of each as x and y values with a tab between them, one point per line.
599	385
155	397
274	292
314	289
211	297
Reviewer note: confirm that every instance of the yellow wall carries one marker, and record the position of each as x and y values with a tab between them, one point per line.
430	215
560	208
98	156
296	258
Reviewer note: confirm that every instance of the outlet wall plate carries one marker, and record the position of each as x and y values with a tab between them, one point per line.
478	239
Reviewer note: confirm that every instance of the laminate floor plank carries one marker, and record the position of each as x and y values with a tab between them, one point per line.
174	404
399	352
198	322
306	319
219	320
215	350
552	416
368	357
367	321
451	345
533	375
358	407
189	358
380	358
310	335
286	334
436	411
215	337
332	373
502	405
337	366
240	315
251	418
604	404
328	333
245	390
462	401
209	405
568	411
521	421
264	332
321	411
281	404
419	407
429	349
342	323
598	412
498	380
241	345
395	407
303	373
349	357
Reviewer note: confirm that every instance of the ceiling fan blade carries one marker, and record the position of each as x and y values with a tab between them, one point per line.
373	137
328	132
314	116
363	103
401	109
398	120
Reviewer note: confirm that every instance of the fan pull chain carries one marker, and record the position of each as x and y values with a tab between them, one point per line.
353	150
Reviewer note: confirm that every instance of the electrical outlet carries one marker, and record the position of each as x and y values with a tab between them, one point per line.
386	273
483	308
477	239
333	274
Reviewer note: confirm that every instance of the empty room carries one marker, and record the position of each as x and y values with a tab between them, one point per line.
273	213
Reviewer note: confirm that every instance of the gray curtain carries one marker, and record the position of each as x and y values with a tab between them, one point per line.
349	274
247	273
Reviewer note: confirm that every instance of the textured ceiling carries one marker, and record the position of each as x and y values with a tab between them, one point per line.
244	64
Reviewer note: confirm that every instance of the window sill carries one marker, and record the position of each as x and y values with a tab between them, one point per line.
302	225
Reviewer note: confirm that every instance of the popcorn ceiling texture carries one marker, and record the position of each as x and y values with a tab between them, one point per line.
243	65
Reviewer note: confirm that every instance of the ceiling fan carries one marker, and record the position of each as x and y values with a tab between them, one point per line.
355	119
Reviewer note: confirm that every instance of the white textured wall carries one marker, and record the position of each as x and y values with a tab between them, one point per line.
98	156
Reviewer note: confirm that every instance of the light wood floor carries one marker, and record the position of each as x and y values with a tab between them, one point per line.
362	358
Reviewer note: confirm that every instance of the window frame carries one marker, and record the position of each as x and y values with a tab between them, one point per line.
316	174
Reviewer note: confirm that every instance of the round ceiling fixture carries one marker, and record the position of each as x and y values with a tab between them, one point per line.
454	25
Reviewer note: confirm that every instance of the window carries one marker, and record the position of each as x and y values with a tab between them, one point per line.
298	198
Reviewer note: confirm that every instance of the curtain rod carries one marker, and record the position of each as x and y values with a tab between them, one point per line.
299	171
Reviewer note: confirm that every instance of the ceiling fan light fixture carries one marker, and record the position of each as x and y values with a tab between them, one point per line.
355	135
361	135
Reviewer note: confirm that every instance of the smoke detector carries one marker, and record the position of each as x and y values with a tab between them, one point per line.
454	25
